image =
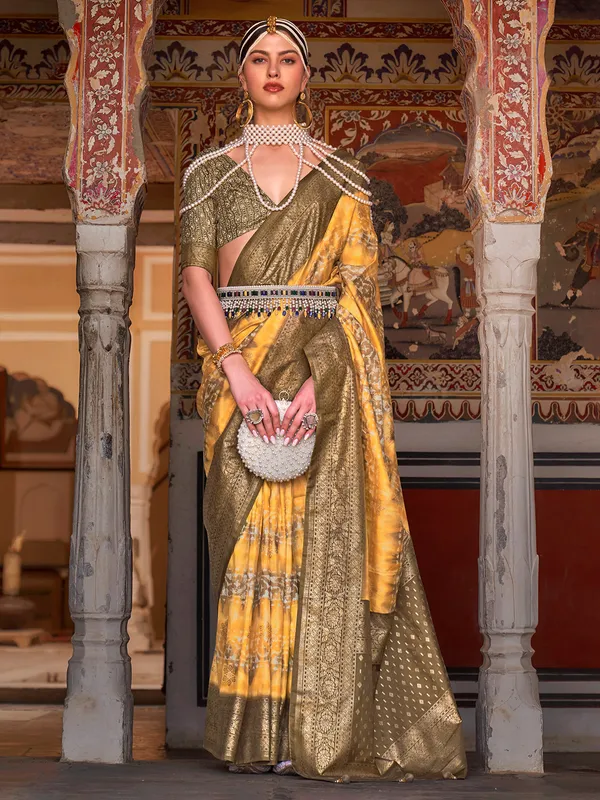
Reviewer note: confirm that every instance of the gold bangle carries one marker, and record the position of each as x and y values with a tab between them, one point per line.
225	350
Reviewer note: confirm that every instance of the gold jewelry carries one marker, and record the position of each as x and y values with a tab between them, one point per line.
271	23
225	350
309	117
238	113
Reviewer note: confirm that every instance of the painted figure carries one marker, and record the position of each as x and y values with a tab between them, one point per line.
386	241
409	280
465	291
326	662
585	246
465	261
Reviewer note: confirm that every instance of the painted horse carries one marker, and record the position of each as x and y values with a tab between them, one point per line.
407	282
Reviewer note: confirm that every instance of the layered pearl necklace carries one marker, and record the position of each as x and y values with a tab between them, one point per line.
295	137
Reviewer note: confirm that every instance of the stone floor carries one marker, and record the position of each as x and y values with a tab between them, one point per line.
30	770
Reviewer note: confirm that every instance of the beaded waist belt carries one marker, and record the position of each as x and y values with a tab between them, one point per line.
311	301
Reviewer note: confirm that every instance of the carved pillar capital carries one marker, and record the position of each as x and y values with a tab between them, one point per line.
506	278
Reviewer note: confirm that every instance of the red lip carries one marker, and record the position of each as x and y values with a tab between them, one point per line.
273	87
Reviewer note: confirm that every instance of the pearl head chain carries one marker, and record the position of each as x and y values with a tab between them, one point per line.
297	139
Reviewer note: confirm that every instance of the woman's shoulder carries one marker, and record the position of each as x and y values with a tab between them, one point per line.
204	170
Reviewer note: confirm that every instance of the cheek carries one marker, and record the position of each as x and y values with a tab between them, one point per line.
296	72
255	76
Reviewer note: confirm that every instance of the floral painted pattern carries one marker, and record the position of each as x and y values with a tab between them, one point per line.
575	68
345	64
224	65
54	63
176	63
104	175
403	66
13	64
505	85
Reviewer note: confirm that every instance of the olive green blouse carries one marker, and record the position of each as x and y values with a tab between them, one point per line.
233	209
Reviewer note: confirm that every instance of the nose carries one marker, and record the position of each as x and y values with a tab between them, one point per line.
273	70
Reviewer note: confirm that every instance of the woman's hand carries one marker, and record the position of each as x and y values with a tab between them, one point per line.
303	403
249	393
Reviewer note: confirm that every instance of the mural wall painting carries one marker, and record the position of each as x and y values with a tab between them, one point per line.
427	279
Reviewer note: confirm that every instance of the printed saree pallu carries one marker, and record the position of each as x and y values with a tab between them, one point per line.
325	652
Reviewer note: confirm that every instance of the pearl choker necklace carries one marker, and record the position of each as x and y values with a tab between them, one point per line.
297	139
275	134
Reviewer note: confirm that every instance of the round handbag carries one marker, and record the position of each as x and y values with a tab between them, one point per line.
274	462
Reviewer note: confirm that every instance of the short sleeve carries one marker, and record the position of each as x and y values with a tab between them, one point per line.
197	230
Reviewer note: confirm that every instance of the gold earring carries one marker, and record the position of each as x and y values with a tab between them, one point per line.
307	112
240	109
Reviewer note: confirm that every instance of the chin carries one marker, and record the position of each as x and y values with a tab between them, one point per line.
274	102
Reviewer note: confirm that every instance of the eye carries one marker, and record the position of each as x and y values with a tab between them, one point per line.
289	60
257	59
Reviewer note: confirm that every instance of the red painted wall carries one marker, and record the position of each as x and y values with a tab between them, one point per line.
445	524
568	529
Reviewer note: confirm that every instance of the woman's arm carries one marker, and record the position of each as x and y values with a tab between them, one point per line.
205	307
247	390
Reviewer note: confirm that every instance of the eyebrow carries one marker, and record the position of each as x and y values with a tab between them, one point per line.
282	53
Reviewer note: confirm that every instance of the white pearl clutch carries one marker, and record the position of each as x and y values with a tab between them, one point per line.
275	462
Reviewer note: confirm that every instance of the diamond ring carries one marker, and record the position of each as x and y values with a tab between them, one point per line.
309	421
255	416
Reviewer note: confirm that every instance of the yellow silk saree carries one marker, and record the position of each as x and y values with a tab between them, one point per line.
325	652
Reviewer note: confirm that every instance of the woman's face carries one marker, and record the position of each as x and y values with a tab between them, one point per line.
273	73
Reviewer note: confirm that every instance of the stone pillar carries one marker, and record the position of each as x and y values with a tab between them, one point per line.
104	173
506	180
99	695
509	716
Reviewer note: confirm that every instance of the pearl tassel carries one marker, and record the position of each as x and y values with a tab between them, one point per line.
256	135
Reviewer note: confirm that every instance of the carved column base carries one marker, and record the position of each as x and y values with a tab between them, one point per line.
509	716
98	715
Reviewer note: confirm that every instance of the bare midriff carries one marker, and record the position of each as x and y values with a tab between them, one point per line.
229	254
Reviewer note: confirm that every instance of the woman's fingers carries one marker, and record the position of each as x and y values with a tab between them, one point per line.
262	431
290	426
271	420
257	429
288	417
296	432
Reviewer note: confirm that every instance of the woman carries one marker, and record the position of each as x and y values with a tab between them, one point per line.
326	662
